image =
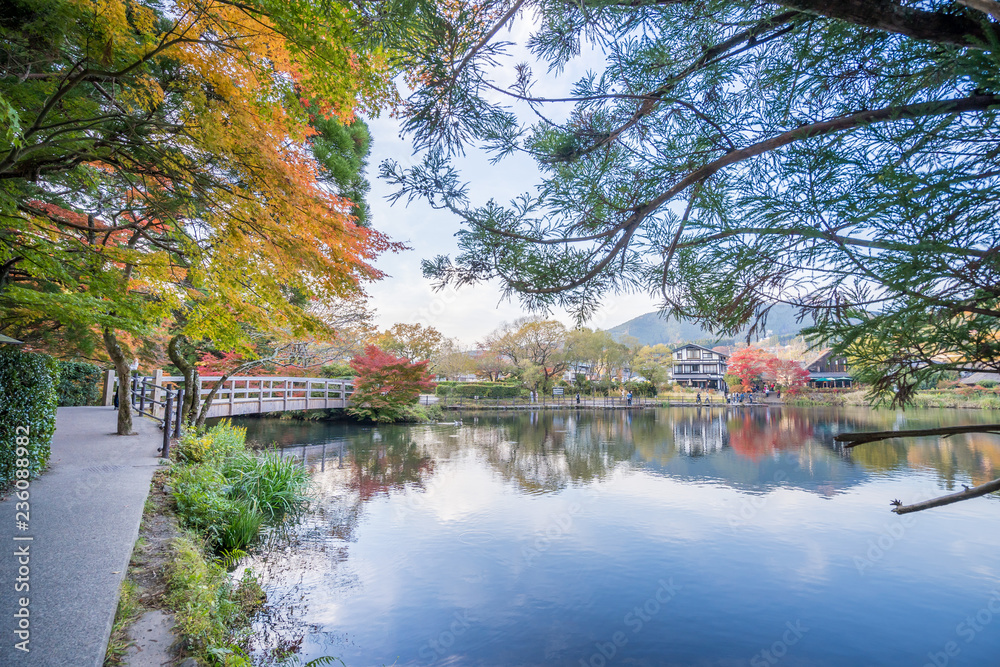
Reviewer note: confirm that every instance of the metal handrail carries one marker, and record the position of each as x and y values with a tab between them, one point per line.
138	389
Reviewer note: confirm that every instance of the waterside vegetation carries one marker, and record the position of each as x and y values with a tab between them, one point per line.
205	513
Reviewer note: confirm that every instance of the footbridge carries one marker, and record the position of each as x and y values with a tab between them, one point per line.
239	395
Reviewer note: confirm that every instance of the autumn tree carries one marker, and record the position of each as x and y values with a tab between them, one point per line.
787	374
654	362
750	365
724	156
386	385
168	143
490	363
534	346
416	342
451	360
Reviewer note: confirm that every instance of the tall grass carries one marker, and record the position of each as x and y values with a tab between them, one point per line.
227	493
275	485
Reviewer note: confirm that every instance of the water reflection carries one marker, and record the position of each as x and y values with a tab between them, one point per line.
538	533
546	452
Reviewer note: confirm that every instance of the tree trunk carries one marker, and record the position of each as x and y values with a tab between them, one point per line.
203	415
194	403
191	380
124	381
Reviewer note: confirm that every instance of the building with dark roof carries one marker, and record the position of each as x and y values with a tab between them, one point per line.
829	371
697	366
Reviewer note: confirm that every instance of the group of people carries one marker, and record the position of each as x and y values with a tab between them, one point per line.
747	396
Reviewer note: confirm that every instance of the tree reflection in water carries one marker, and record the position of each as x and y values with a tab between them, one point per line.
751	449
391	459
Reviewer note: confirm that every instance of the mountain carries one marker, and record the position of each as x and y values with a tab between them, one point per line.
651	328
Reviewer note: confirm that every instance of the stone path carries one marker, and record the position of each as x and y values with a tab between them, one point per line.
84	520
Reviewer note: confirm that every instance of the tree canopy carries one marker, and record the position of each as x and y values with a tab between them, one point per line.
415	342
181	157
724	156
179	127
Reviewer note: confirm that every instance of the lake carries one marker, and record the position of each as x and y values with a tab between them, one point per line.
683	536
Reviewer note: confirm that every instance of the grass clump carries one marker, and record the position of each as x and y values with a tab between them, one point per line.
227	493
129	609
211	612
274	485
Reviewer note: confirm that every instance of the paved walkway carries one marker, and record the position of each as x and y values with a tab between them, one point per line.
84	520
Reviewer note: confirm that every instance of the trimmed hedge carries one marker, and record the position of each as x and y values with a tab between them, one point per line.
27	400
480	389
79	383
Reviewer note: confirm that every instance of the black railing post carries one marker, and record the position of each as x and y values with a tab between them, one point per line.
180	413
165	449
142	396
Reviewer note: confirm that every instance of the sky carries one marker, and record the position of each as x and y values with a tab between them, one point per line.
472	312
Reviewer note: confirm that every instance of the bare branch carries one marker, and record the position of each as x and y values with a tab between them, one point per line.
991	7
974	492
855	439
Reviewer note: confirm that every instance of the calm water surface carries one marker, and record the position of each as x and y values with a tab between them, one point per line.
662	537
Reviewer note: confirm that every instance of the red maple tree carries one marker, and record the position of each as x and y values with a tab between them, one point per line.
787	374
750	365
385	385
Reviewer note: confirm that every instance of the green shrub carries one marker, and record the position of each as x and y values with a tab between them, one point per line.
218	442
646	388
227	439
241	529
193	447
27	412
202	501
991	403
79	383
987	384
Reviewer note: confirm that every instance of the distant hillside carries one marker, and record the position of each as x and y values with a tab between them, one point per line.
651	328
